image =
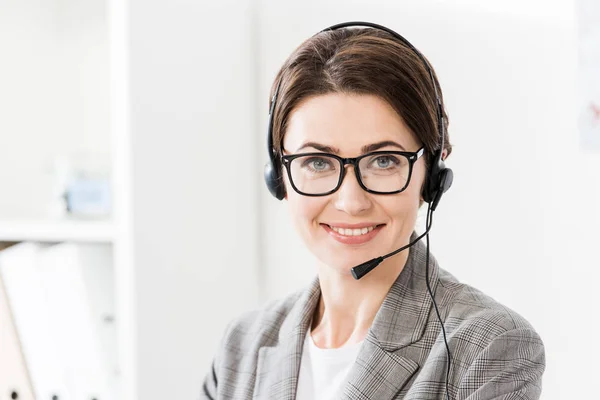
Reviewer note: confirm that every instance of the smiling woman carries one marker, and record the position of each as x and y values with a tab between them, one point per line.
349	124
357	139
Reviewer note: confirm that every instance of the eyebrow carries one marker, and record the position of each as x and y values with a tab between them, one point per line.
365	149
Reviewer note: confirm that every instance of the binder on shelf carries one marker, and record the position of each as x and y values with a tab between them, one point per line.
14	378
78	281
25	294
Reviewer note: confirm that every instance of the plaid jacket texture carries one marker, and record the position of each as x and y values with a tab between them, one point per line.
496	354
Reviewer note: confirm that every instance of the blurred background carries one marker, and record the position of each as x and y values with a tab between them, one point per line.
133	215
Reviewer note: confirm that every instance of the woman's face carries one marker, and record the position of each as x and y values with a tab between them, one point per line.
346	124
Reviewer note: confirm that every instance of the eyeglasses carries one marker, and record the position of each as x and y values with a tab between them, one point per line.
379	172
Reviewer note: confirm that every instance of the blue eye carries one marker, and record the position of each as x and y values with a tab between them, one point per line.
385	161
317	164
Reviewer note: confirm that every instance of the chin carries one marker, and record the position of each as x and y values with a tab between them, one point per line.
343	265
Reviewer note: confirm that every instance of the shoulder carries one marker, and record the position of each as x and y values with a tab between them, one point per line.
494	349
469	306
259	327
476	321
235	360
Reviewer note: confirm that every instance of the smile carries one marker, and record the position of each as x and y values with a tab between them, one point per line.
353	232
355	235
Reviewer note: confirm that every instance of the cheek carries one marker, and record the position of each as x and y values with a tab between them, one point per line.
304	210
404	207
417	181
401	209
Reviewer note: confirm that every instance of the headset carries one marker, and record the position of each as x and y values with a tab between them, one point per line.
438	180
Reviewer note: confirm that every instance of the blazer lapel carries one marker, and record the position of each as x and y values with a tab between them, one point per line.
380	372
278	366
377	373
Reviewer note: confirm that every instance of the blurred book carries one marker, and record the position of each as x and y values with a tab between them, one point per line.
78	282
25	294
14	379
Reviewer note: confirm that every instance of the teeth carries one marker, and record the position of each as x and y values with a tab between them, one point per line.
353	232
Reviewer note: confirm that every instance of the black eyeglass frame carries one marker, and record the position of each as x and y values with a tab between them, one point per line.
412	157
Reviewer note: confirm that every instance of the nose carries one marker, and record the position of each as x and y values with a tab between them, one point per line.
351	197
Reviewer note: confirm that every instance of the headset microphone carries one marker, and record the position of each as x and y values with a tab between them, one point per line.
361	270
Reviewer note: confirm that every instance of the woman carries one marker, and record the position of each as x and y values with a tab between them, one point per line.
357	135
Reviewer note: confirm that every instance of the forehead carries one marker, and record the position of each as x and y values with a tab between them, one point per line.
346	122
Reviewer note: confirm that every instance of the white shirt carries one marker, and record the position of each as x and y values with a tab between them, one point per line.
323	372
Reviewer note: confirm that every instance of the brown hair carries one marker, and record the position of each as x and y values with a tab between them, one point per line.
361	61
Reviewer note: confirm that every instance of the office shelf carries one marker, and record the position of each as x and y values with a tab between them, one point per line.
56	231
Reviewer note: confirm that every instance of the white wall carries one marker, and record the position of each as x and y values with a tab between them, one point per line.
514	224
54	97
193	193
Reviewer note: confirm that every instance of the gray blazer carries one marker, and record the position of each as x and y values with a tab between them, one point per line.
496	354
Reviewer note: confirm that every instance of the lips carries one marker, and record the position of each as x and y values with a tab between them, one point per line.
353	234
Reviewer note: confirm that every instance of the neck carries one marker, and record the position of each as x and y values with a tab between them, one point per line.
347	307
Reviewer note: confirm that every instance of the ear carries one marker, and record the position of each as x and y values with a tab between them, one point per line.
444	154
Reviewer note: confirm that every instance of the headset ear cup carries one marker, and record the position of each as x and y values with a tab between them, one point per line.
439	179
447	180
425	193
274	181
432	179
446	177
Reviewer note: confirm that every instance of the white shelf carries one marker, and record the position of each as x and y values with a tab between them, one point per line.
56	231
